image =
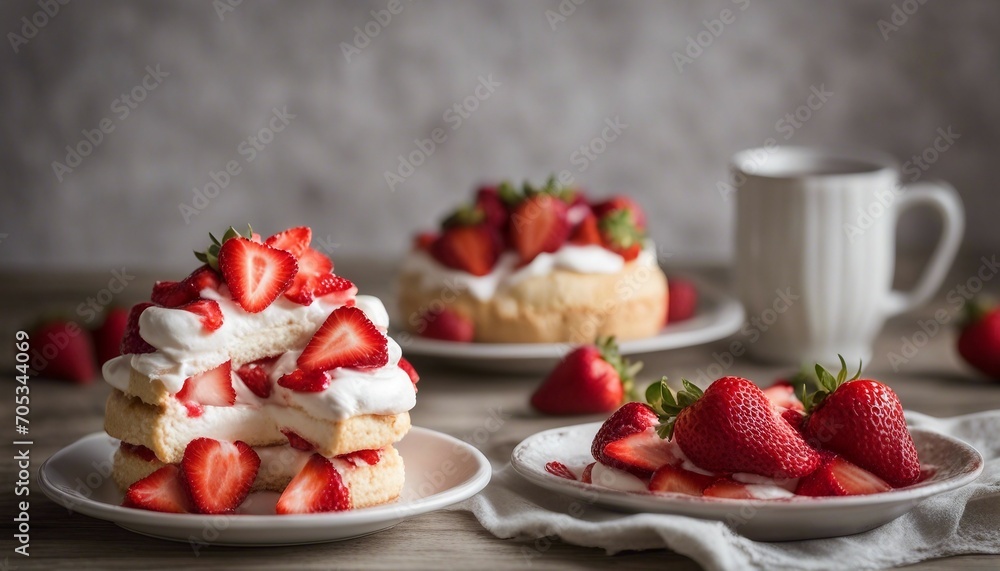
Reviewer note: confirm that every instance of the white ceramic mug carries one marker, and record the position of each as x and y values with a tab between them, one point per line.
815	249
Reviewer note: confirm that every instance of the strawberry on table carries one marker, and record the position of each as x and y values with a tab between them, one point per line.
161	491
218	474
979	340
590	379
862	421
318	487
65	351
108	336
346	339
682	299
447	325
467	242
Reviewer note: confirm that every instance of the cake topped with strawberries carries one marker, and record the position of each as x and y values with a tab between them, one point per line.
261	370
734	440
535	264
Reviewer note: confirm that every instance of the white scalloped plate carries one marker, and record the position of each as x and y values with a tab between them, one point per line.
77	477
956	464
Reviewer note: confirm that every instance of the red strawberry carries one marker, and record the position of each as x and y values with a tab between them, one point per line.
586	232
494	210
161	491
305	382
208	311
362	457
423	241
213	388
255	376
132	342
726	488
255	273
294	240
641	454
176	294
838	477
313	266
590	379
559	469
169	294
538	224
862	420
668	478
406	366
979	340
473	249
622	203
63	350
346	339
782	394
108	337
682	299
317	488
334	289
620	234
138	450
795	418
631	420
297	442
587	476
218	475
732	427
447	325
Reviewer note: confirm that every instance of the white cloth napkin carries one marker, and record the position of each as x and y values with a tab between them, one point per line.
962	521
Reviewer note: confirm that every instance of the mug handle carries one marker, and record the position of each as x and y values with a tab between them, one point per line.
945	199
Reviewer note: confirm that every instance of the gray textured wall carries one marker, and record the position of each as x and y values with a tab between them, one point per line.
892	89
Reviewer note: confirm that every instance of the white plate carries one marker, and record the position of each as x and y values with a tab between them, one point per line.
440	471
718	316
956	463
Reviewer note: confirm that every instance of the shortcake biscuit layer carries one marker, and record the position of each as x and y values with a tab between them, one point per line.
369	485
167	429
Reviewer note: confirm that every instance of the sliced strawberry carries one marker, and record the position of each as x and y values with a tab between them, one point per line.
473	249
132	342
447	325
161	491
674	479
726	488
317	488
255	377
208	311
313	265
782	394
586	232
423	241
838	477
305	381
334	289
218	474
294	240
169	294
538	224
297	442
587	476
138	450
406	366
560	469
641	453
346	339
631	418
176	294
255	273
213	388
365	457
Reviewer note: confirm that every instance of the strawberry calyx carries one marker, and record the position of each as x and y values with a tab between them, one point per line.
511	195
467	215
626	369
975	310
667	406
211	254
828	384
619	230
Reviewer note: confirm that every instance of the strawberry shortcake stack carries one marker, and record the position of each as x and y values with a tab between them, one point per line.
262	370
535	265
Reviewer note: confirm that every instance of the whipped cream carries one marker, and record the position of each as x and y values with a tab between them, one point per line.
591	259
616	479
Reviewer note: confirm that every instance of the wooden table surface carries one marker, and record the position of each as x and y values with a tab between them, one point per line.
453	401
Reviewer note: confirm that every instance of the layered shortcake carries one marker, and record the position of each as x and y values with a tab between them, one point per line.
535	265
262	370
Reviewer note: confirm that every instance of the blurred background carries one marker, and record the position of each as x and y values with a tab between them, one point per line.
121	119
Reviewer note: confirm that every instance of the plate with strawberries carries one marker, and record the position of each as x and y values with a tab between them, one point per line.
773	467
78	477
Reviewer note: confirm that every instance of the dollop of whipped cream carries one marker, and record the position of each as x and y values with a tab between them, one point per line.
590	259
184	349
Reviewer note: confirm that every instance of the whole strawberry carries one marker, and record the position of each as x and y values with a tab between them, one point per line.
467	242
862	420
979	340
590	379
731	427
108	337
682	299
63	350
